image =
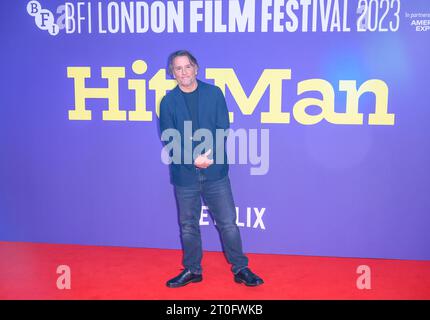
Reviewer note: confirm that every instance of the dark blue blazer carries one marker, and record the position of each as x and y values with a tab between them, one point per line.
213	114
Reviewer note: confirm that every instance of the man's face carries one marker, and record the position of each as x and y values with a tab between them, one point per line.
184	72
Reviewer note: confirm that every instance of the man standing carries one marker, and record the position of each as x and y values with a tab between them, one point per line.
203	105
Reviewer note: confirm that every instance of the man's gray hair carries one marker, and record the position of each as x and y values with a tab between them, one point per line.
180	53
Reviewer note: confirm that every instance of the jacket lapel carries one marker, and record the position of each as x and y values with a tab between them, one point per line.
202	109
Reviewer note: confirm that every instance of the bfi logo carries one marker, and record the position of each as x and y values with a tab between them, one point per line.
271	80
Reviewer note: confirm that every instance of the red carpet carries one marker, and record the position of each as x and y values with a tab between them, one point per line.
29	271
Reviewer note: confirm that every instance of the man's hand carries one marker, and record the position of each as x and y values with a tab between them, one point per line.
202	161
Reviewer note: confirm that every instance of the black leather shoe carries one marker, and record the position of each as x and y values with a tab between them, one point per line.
184	278
247	277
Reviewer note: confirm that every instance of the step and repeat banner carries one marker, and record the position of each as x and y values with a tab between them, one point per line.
329	103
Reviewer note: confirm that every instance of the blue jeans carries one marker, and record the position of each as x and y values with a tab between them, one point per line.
219	199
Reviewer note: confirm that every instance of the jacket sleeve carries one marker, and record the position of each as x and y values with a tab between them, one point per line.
222	122
170	136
